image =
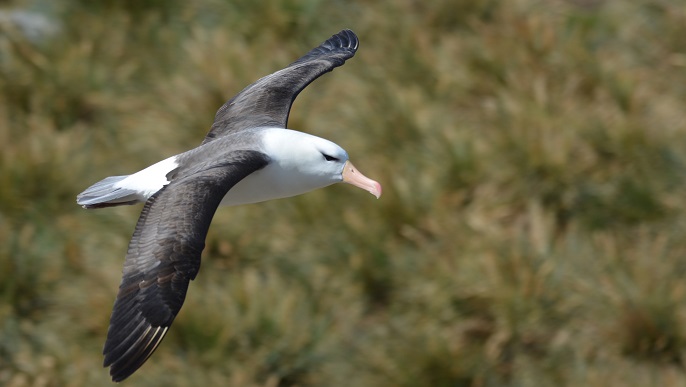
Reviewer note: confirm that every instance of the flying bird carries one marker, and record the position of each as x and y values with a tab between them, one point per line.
248	156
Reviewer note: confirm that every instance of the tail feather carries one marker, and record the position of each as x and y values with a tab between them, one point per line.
105	193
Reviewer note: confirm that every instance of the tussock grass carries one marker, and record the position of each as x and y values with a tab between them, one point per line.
530	232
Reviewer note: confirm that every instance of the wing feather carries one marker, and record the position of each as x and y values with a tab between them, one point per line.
164	256
268	101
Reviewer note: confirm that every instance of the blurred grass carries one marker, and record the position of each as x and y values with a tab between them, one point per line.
530	232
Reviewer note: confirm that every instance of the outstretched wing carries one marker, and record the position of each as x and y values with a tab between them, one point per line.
268	101
164	256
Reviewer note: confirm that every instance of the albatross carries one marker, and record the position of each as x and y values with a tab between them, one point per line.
248	156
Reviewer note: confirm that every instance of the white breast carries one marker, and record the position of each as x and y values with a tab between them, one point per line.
265	184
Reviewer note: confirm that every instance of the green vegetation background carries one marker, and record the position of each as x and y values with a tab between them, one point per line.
532	230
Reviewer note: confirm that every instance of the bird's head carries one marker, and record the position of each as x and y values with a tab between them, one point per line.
313	162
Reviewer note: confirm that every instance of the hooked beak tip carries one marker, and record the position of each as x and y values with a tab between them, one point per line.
377	190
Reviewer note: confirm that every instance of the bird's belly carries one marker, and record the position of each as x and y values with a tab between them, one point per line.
250	191
267	184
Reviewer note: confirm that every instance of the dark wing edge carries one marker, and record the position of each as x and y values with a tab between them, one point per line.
346	39
267	102
163	257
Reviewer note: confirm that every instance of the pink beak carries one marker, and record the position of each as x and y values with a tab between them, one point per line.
352	176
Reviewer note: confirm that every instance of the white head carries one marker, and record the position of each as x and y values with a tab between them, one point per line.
304	162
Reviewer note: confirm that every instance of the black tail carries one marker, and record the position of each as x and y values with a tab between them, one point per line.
106	194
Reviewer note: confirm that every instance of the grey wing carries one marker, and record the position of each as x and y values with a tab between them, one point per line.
268	101
163	257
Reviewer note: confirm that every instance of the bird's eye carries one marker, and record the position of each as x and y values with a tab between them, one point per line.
329	158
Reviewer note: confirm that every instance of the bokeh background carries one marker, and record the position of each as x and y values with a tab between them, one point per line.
532	230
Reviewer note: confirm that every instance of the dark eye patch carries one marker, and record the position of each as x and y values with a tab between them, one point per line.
329	158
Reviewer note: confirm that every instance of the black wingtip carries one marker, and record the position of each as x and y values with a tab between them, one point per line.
136	355
346	38
345	43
